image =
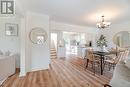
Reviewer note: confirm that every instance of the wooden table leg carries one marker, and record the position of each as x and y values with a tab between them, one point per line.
87	63
101	65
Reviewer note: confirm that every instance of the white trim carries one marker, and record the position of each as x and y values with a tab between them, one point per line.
38	69
22	74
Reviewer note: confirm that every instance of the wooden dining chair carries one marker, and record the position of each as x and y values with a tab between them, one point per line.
92	59
125	55
112	55
113	61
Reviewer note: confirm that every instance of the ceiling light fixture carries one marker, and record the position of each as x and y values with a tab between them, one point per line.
103	24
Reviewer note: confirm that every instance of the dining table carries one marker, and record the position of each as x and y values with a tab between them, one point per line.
102	57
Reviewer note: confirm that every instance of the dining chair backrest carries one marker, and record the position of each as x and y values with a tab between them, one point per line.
119	57
90	55
122	56
125	55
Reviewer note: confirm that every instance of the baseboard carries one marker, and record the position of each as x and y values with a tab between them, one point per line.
38	69
22	74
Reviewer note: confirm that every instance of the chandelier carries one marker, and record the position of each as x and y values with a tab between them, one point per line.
103	24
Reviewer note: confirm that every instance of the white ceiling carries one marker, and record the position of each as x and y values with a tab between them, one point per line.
81	12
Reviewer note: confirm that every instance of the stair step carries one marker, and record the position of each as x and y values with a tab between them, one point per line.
53	52
53	49
53	55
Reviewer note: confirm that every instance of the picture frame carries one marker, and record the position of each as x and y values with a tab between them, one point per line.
11	29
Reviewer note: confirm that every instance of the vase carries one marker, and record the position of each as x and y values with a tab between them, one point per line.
103	49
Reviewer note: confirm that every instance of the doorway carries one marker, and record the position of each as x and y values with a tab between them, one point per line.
53	49
72	42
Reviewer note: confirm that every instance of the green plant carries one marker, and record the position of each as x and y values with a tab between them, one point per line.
102	41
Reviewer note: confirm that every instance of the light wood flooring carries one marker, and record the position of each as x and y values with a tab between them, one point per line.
62	73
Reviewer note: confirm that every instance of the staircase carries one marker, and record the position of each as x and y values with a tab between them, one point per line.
53	53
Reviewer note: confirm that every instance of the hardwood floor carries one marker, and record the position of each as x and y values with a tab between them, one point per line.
62	73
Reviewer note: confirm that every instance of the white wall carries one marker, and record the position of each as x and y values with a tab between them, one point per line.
10	43
38	55
115	28
23	62
72	28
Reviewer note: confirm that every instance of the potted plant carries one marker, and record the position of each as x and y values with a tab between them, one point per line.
102	42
